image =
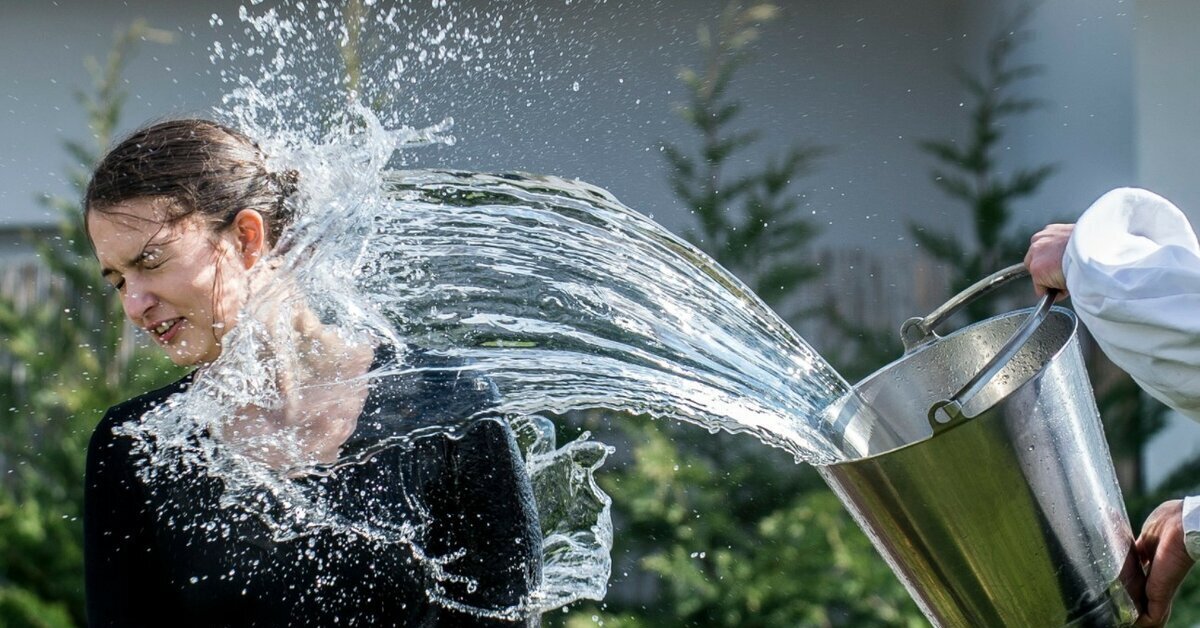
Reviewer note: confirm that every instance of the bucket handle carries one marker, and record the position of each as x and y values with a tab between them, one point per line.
917	332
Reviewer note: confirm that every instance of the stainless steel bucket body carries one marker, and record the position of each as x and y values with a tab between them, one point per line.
1010	514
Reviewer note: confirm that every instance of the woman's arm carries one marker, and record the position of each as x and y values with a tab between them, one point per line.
120	577
481	504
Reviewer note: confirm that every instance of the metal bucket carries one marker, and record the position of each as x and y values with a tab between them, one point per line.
980	471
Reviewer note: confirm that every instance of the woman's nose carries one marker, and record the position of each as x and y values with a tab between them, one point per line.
137	301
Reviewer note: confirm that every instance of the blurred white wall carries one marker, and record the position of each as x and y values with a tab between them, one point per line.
866	78
1086	52
1168	101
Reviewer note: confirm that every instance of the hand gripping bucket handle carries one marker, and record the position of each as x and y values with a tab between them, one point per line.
917	332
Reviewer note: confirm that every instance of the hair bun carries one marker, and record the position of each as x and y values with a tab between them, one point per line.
287	181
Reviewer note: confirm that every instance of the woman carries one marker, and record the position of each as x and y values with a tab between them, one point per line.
182	216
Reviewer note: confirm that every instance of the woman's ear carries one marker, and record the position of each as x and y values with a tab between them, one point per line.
251	236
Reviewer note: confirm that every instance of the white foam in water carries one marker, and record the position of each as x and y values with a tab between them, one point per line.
551	290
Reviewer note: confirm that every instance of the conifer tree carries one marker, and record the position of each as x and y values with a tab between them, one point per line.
969	171
66	357
750	221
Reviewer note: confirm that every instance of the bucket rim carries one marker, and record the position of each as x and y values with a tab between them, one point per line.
1073	331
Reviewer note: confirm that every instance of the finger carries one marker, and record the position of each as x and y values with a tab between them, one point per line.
1166	573
1154	617
1146	545
1151	618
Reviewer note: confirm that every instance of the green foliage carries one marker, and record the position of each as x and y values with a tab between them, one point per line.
20	607
67	357
731	533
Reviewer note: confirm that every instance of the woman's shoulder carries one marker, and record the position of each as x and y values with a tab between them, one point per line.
133	409
108	456
414	389
435	388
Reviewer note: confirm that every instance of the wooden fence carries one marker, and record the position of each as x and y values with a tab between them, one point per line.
879	290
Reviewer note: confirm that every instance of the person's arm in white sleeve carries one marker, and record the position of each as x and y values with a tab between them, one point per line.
1132	266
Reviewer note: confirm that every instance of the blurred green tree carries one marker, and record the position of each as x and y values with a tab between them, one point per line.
750	220
970	174
718	529
67	356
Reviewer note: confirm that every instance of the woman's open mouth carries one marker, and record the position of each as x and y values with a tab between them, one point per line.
166	330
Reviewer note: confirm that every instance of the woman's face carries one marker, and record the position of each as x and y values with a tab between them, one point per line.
181	282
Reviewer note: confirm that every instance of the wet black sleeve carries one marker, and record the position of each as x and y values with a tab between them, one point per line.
480	504
119	566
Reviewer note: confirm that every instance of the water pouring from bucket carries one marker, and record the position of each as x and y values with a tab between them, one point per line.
992	494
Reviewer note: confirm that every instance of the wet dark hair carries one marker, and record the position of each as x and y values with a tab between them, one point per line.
208	170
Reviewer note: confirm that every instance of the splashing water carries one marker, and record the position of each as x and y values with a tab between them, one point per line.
545	295
568	299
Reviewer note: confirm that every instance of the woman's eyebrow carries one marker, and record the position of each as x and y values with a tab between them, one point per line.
105	272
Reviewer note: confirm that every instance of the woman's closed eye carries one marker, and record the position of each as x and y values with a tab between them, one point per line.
152	259
148	261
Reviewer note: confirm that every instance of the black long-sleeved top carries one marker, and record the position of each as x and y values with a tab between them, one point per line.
165	552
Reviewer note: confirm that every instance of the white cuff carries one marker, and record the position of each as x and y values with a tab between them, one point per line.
1191	526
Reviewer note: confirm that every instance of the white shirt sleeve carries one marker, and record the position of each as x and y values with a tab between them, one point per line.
1133	270
1191	525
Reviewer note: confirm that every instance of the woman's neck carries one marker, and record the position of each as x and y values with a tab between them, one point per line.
320	377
